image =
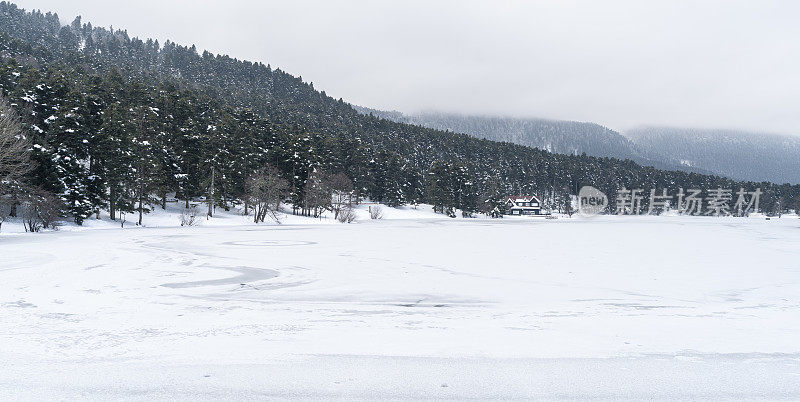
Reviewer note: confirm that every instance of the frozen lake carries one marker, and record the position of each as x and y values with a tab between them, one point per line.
611	307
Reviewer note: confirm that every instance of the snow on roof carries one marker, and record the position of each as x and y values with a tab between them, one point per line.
523	198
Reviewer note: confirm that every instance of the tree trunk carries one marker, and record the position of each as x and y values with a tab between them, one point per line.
141	195
112	205
211	197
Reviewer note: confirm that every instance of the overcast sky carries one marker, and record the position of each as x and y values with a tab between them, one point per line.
726	64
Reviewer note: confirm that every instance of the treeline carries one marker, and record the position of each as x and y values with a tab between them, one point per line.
118	123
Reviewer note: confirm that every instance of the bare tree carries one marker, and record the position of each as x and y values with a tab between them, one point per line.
5	208
779	206
14	147
317	194
40	210
342	194
265	190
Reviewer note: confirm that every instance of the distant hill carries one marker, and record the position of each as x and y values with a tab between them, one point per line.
562	137
736	154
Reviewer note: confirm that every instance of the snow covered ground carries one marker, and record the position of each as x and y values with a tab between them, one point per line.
412	306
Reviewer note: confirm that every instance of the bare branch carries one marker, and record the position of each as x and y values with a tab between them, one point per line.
14	146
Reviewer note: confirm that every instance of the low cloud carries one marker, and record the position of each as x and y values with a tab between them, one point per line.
727	64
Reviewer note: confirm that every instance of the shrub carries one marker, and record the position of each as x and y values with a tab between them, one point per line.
375	212
40	210
346	215
189	216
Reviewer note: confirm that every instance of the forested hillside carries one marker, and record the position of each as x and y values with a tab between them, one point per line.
557	136
116	122
738	154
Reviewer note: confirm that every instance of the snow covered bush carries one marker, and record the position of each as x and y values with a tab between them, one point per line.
375	212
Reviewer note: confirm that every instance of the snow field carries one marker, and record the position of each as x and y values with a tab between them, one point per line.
411	306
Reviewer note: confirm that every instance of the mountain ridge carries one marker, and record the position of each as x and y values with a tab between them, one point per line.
556	136
740	154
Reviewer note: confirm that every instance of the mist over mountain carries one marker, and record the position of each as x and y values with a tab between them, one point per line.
737	154
556	136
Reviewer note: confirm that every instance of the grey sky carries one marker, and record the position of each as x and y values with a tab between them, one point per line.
727	64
